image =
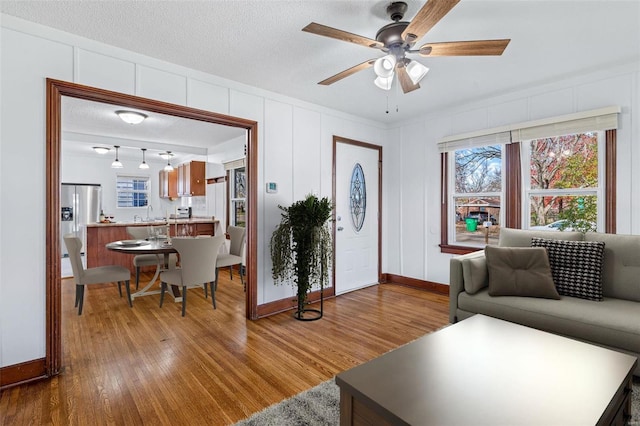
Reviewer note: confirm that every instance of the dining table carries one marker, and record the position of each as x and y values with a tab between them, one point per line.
158	246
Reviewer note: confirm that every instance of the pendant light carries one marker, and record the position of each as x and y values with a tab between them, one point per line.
168	167
144	164
116	164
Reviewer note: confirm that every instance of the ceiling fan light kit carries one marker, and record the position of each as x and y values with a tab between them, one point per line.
384	82
397	40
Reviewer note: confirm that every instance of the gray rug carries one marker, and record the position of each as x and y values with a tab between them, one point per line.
320	406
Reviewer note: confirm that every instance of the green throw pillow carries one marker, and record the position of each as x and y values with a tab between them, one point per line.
520	271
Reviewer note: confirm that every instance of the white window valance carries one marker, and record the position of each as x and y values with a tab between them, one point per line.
585	121
235	164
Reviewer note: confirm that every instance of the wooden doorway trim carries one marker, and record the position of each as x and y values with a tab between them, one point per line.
55	90
336	140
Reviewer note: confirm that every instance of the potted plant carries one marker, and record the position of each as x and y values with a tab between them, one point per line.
301	248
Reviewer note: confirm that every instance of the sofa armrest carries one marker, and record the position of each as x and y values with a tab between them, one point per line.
456	281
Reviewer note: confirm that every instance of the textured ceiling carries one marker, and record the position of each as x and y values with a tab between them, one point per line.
260	43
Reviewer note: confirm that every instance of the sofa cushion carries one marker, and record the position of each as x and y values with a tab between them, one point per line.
522	238
621	265
576	266
519	271
474	272
607	322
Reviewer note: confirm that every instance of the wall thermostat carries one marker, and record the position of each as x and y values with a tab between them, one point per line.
272	187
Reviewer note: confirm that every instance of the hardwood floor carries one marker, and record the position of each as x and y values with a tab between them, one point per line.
149	365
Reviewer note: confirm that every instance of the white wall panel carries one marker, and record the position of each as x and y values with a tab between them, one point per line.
105	72
414	176
306	152
278	168
391	202
507	113
161	85
550	104
207	96
26	62
467	121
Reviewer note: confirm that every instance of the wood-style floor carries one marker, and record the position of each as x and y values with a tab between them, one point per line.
148	365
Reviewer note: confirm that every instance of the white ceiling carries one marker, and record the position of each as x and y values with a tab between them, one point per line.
86	124
260	43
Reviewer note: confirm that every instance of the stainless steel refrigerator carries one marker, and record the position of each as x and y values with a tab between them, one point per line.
80	204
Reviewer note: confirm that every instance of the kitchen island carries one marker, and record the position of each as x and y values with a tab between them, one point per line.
100	234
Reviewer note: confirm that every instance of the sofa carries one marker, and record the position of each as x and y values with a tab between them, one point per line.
613	322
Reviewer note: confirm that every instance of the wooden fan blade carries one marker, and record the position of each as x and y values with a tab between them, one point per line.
347	72
430	14
330	32
405	80
465	48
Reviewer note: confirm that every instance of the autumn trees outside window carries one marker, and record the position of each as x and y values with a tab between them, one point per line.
564	182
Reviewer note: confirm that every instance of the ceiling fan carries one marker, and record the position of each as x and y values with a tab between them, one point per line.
397	40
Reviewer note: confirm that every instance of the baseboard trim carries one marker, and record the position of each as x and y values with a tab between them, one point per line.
25	372
414	282
289	303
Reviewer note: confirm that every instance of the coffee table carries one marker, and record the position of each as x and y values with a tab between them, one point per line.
485	371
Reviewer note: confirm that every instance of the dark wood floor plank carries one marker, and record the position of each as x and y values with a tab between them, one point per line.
150	365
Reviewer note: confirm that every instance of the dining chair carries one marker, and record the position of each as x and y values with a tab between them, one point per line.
97	275
140	260
196	268
236	251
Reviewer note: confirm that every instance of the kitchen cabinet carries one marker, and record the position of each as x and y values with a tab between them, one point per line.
191	179
168	184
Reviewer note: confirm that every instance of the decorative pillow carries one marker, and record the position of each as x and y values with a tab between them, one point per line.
519	271
576	266
474	272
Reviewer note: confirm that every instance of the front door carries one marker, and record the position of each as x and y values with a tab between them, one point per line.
357	173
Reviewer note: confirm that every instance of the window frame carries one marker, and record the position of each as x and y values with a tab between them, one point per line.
132	177
514	194
231	178
598	191
453	195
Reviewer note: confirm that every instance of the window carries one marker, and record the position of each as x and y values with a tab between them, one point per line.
477	195
132	191
238	196
534	180
564	182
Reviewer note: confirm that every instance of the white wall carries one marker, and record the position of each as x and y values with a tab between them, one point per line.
292	135
415	211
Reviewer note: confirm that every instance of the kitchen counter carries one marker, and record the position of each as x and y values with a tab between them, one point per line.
100	234
193	220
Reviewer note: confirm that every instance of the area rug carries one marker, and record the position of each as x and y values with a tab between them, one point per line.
320	406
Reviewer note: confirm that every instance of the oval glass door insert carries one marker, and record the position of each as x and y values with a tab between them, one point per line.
358	197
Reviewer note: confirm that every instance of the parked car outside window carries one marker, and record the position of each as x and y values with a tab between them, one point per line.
481	217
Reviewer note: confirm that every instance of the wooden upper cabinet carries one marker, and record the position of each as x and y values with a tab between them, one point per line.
195	177
191	179
168	184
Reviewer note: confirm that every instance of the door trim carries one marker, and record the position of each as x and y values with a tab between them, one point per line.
347	141
55	89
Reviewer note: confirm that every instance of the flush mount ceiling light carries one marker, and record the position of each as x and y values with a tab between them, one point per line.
101	149
168	167
116	164
144	164
131	117
166	155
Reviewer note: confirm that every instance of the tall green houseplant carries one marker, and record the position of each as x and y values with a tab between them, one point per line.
301	247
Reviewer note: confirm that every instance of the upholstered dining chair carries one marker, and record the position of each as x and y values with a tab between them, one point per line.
140	260
236	252
196	268
97	275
